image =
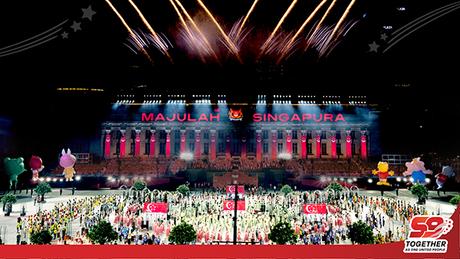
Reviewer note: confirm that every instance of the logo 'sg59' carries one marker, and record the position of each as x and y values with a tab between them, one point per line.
430	226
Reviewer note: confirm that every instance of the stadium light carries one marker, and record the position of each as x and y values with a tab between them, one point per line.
48	179
61	180
411	179
54	180
187	156
41	179
322	179
285	156
369	180
427	180
398	179
404	179
78	178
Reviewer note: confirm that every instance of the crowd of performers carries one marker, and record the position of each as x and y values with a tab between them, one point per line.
70	222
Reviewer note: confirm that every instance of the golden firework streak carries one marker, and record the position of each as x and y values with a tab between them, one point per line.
129	29
187	29
264	46
208	45
302	27
324	16
246	18
341	19
155	35
227	39
121	18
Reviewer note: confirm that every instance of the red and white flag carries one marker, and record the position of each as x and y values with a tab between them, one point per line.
315	208
231	189
155	207
230	205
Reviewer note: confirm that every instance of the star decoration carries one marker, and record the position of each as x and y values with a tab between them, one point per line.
76	26
384	36
373	47
65	35
88	13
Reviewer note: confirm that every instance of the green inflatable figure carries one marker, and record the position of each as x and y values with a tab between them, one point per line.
13	168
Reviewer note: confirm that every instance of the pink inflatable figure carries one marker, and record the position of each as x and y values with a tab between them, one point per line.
67	161
416	169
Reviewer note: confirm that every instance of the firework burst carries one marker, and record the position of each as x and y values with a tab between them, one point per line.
139	41
319	39
237	35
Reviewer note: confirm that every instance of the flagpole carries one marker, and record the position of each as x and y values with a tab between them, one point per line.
235	209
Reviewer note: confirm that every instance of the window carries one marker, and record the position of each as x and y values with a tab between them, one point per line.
353	149
338	135
294	148
221	147
352	134
309	135
280	147
221	134
280	134
265	134
191	134
309	148
323	149
177	134
206	135
206	148
323	134
339	149
191	146
250	147
133	147
294	134
265	148
162	148
147	148
177	148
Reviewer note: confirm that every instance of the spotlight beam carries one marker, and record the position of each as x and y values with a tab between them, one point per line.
155	35
226	38
267	42
253	6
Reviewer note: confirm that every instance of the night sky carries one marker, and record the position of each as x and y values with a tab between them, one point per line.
413	81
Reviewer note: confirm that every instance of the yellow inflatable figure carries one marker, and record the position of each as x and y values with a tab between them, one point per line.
382	173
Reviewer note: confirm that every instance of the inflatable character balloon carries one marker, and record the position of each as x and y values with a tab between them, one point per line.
416	169
67	161
382	173
13	168
36	165
441	178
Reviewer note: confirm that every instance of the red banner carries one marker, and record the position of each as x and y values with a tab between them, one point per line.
155	207
230	205
231	189
315	208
